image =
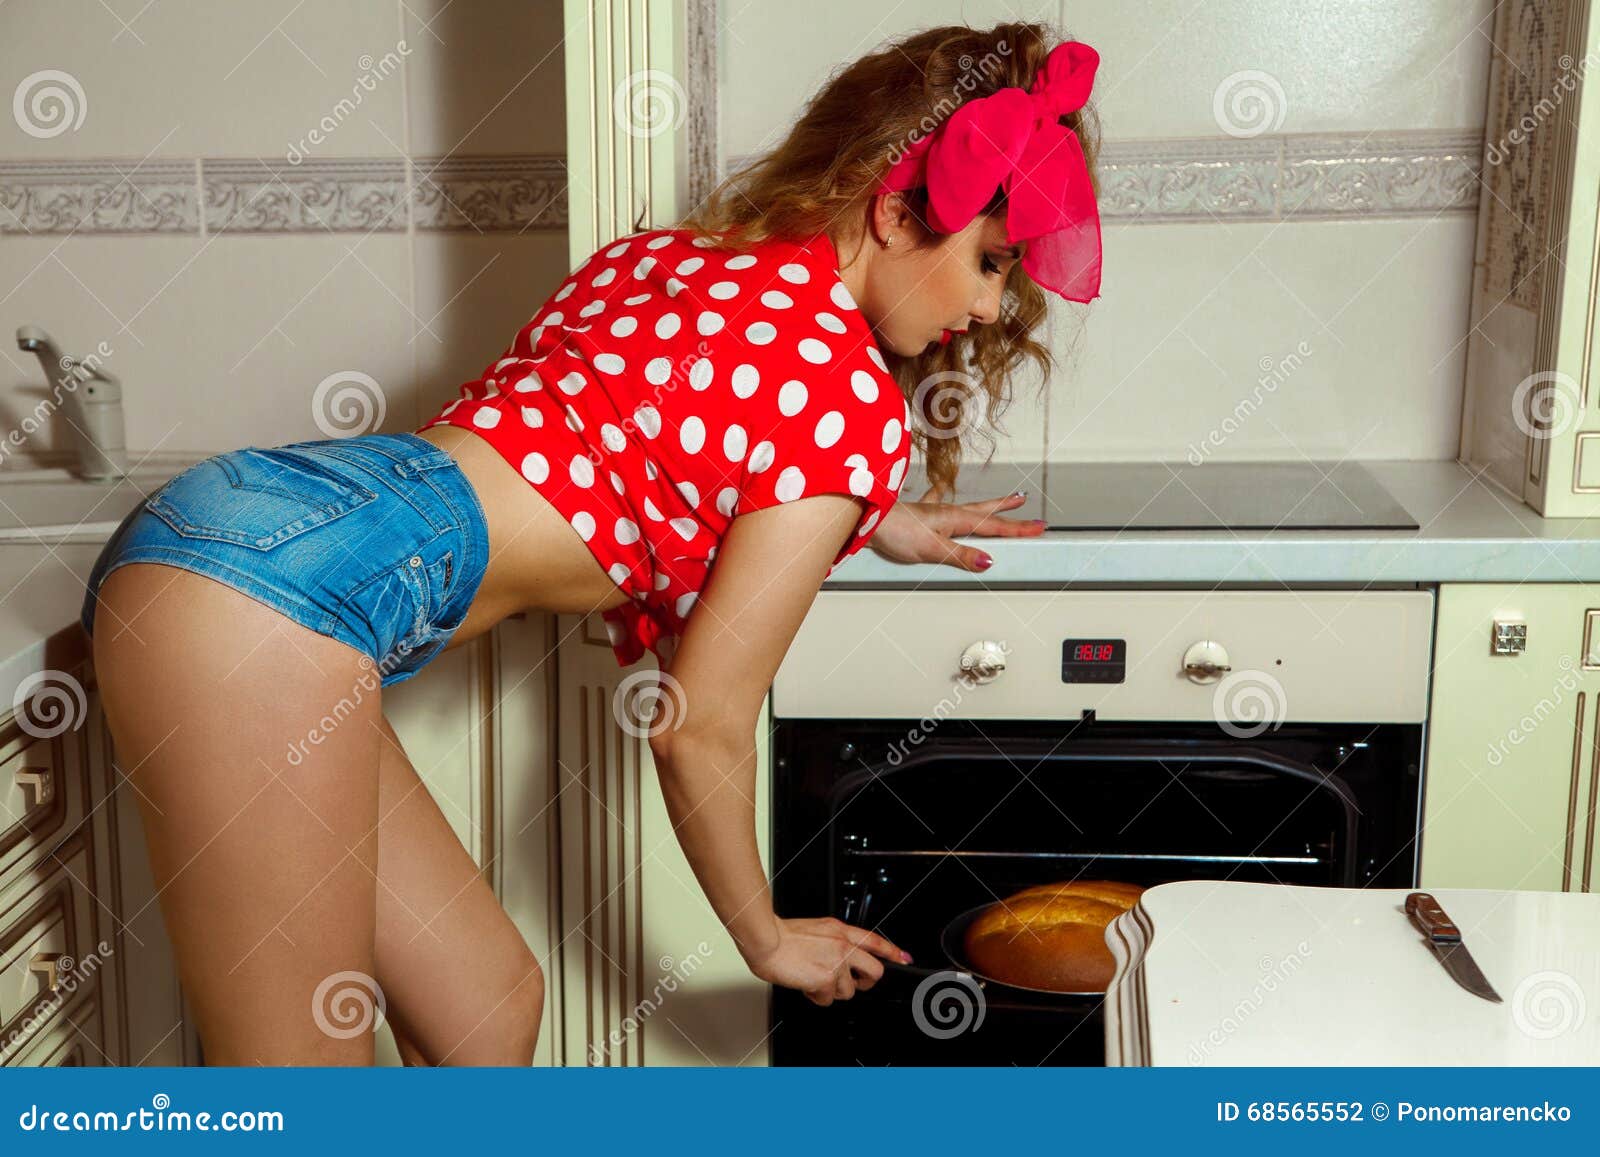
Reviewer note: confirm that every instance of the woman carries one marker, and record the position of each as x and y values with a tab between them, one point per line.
738	389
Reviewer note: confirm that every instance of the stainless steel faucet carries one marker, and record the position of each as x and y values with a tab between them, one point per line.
92	397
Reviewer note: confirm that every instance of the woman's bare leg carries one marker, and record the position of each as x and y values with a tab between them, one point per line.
265	861
462	986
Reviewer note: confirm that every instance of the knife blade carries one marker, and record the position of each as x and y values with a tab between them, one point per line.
1442	936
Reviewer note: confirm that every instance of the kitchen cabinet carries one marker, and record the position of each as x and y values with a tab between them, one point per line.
1514	739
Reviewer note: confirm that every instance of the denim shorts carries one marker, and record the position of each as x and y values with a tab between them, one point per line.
378	540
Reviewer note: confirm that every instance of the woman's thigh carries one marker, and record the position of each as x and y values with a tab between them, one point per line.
251	745
461	985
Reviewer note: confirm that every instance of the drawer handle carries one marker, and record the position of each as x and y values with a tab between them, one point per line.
40	780
48	963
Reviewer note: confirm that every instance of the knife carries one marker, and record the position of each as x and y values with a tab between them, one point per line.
1444	938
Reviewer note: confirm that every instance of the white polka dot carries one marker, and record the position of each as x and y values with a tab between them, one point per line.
528	383
702	242
745	380
723	290
791	484
532	417
566	291
896	473
649	470
535	467
652	511
658	370
814	351
617	250
840	296
486	417
571	383
667	325
709	322
636	299
592	308
607	276
658	242
642	270
830	322
534	335
609	363
691	493
877	358
864	385
872	520
624	326
583	523
776	299
619	575
726	498
554	318
611	434
626	531
684	603
761	457
692	434
616	481
689	266
675	287
581	470
830	427
760	333
891	434
648	419
661	581
735	442
861	482
503	363
700	373
686	527
574	422
743	261
794	274
791	398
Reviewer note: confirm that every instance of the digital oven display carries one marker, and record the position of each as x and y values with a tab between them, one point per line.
1094	660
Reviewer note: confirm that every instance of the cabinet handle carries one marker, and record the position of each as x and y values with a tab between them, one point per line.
38	780
1594	793
1572	793
47	963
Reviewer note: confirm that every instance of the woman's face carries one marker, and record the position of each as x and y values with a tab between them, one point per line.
910	295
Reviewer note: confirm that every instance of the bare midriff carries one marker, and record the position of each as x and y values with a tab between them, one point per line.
537	561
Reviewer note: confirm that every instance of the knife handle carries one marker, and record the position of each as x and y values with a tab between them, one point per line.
1430	918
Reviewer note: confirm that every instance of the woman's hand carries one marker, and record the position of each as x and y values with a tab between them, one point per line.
921	531
825	958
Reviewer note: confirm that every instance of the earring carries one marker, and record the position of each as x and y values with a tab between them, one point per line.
888	241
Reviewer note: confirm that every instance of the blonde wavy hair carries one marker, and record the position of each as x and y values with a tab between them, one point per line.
828	168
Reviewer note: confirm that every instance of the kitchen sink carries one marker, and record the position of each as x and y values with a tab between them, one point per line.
49	506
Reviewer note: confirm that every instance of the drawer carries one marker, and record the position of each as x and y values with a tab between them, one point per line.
41	795
48	954
69	1040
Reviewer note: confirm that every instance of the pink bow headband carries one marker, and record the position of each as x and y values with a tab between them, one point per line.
1013	138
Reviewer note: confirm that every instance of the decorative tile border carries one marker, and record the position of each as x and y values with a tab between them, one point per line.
1265	178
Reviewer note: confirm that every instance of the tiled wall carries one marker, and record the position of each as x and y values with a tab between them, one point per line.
175	205
1342	217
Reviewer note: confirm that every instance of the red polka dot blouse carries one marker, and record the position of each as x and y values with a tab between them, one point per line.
668	386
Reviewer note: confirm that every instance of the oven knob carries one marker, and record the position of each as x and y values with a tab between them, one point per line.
1206	662
984	660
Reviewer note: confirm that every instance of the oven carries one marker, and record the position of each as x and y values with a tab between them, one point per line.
936	750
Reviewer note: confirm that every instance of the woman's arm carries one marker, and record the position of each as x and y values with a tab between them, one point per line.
767	572
923	531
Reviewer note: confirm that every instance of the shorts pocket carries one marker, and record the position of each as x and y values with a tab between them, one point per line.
258	497
403	606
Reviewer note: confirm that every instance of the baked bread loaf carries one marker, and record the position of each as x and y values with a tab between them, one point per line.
1050	936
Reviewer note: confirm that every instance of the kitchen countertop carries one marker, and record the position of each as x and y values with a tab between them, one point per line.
1470	530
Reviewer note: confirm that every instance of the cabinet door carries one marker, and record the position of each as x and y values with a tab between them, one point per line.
1514	740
